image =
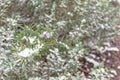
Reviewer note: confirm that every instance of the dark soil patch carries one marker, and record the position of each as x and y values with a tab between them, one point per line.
111	60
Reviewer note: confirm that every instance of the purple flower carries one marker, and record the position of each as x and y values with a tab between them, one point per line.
45	34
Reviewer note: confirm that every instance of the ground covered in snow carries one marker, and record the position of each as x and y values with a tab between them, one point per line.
59	40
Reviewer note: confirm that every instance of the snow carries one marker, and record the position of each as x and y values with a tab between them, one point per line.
118	67
26	52
111	49
32	39
93	61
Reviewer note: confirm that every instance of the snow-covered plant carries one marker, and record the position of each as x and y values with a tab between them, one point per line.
93	21
44	39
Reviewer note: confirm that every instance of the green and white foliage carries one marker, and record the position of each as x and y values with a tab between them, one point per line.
43	39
